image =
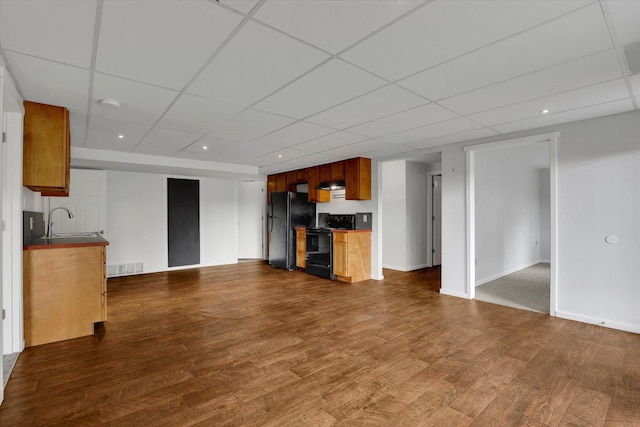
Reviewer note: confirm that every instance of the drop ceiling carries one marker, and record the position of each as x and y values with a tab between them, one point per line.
279	85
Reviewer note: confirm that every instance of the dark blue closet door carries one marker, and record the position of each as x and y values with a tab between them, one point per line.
183	214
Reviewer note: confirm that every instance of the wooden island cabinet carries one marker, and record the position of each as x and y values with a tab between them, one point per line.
352	255
301	247
64	291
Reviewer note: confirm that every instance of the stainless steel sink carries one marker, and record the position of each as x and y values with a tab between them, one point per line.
73	235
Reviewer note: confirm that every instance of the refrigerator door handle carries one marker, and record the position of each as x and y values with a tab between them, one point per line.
270	217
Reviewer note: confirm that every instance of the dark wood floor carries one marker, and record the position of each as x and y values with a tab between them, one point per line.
252	345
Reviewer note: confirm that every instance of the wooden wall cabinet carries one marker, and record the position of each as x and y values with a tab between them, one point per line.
46	149
355	172
65	293
358	179
352	255
315	195
301	248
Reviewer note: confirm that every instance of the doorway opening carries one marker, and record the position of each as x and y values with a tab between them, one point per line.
511	220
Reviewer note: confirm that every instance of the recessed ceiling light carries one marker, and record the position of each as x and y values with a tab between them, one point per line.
204	147
120	136
545	111
279	156
109	103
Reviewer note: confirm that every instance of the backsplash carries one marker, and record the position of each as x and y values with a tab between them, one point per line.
32	225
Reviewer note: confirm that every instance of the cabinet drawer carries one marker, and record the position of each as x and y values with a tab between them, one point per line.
340	237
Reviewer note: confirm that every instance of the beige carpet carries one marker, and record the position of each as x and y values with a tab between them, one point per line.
527	289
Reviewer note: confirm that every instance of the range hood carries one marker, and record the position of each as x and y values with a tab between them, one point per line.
331	185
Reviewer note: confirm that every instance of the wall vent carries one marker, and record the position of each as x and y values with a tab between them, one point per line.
114	270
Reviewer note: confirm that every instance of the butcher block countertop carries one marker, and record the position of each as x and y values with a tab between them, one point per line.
65	242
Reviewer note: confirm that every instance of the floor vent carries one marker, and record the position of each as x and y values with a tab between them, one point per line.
114	270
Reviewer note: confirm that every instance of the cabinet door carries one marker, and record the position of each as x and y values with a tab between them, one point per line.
104	283
46	148
340	259
281	182
315	195
301	248
358	179
337	171
271	186
324	172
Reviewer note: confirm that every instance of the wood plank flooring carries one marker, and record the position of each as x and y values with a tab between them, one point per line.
251	345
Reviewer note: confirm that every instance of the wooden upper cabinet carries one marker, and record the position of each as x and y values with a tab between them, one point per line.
281	182
324	173
337	171
315	195
358	179
302	176
271	186
46	149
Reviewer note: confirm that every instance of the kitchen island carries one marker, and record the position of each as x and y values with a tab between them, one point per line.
64	287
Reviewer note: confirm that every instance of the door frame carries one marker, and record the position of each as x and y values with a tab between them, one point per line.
429	184
552	139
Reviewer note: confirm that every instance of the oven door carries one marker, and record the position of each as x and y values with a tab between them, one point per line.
320	253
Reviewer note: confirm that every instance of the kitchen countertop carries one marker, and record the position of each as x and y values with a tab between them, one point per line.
65	242
340	230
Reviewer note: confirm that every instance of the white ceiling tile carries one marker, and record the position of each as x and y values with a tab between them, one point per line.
536	49
163	44
389	151
382	102
328	142
214	144
328	85
568	116
192	113
593	69
331	25
68	26
103	134
51	83
293	134
311	160
165	142
282	155
453	138
139	102
250	124
635	83
77	128
583	97
256	62
625	15
410	119
358	148
445	29
243	6
242	151
460	124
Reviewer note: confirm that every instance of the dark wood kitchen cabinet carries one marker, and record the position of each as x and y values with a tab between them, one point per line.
324	172
358	179
337	171
316	195
46	149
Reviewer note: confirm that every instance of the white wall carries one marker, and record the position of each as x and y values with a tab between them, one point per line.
598	193
507	209
137	220
394	206
251	225
405	224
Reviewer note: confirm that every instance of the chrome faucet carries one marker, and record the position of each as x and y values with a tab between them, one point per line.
50	223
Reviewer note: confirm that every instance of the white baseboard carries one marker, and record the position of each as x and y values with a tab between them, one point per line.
405	269
507	272
599	322
454	293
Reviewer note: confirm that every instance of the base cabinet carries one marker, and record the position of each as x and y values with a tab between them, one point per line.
65	293
301	248
352	255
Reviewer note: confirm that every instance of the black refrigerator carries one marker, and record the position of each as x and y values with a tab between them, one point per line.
287	210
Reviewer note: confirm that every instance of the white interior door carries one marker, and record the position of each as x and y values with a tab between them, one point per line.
251	200
437	219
